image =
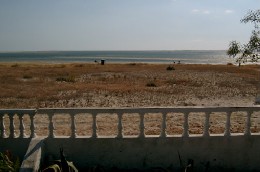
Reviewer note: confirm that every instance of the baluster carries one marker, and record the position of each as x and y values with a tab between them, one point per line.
141	127
120	126
163	127
32	126
12	126
248	124
73	126
228	125
206	125
2	127
21	128
94	126
186	125
51	126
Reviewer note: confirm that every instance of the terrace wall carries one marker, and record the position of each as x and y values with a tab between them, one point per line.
221	152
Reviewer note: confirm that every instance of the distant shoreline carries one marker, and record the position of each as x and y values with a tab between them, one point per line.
36	51
162	57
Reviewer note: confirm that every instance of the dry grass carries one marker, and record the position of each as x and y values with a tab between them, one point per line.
80	85
125	85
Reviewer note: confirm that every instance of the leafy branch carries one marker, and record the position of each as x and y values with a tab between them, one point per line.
249	51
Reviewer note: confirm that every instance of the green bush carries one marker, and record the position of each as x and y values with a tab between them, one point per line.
8	162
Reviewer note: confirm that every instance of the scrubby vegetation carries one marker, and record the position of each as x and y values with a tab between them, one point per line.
151	84
66	79
61	165
170	68
92	85
9	163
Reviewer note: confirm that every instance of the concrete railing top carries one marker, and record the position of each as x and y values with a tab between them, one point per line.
13	125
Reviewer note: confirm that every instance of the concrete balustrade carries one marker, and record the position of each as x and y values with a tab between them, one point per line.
224	151
10	114
119	112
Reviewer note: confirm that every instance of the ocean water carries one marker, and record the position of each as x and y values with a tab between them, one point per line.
184	56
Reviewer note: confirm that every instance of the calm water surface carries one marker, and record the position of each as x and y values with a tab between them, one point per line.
184	56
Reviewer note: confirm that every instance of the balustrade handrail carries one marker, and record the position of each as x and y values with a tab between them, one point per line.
119	112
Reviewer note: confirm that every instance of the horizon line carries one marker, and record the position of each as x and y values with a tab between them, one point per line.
24	51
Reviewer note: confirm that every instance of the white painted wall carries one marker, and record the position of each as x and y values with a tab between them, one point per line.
223	153
237	153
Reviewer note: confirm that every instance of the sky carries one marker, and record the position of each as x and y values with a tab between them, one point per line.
31	25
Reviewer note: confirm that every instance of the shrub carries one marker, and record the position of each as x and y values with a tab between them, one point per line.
66	79
61	165
27	77
14	65
151	84
8	162
170	68
171	81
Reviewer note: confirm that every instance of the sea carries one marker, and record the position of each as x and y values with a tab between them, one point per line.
165	57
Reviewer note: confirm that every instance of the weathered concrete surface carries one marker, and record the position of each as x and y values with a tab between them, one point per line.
218	153
237	153
32	158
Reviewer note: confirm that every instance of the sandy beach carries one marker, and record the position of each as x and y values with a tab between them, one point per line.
126	85
27	85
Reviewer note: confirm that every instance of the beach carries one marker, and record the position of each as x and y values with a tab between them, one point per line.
30	85
79	85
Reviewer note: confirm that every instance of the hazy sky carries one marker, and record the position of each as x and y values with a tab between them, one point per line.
29	25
